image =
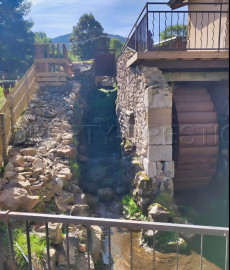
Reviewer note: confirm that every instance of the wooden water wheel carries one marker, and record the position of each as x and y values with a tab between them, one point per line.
196	150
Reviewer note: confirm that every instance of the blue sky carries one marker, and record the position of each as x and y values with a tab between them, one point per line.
57	17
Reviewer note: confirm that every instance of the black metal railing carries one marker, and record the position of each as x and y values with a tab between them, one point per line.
196	26
9	217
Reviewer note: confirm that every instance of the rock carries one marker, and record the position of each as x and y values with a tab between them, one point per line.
53	258
9	174
37	172
20	136
19	169
24	184
82	262
91	200
9	167
36	186
79	210
29	151
66	151
38	164
68	137
105	194
157	213
80	199
73	248
82	248
18	161
66	172
95	242
169	169
67	197
55	232
17	199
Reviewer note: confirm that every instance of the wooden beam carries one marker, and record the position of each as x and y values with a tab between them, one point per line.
178	55
186	64
196	76
50	60
51	79
50	74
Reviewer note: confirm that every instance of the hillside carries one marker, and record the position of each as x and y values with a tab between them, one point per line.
65	39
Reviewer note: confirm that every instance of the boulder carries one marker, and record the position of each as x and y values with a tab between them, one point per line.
9	167
95	242
9	174
55	232
66	172
18	161
91	200
38	164
79	210
66	152
158	213
20	136
73	248
17	199
29	151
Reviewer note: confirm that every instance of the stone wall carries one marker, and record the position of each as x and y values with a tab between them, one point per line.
144	109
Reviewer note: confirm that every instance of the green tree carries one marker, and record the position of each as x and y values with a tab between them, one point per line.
116	44
16	37
41	37
88	37
174	31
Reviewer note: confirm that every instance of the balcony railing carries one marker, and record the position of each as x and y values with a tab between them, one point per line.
9	217
197	26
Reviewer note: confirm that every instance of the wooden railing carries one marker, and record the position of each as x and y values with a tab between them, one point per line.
16	102
51	67
52	63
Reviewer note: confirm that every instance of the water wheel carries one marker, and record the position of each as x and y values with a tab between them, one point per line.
196	144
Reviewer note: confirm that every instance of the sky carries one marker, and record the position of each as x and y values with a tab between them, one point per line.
57	17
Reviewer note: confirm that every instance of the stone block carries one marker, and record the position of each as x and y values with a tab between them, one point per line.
169	169
160	153
160	135
150	168
158	98
160	117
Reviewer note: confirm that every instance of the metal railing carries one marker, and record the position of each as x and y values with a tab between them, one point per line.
8	217
196	28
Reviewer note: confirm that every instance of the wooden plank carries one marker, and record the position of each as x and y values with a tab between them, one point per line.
51	74
3	137
175	55
51	79
51	83
196	76
50	60
186	64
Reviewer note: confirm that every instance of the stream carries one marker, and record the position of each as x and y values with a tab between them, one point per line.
104	169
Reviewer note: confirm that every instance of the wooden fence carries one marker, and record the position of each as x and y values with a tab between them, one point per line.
51	67
16	102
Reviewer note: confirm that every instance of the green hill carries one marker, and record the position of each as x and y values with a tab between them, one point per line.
65	39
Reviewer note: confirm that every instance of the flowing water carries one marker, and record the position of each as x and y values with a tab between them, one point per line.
104	169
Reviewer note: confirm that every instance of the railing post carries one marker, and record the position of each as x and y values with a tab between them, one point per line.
147	25
220	26
3	137
12	116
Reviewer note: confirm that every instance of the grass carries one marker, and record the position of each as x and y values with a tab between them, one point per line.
75	168
2	97
38	247
132	208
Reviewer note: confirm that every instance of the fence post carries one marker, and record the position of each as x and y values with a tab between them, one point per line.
12	116
27	90
3	137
